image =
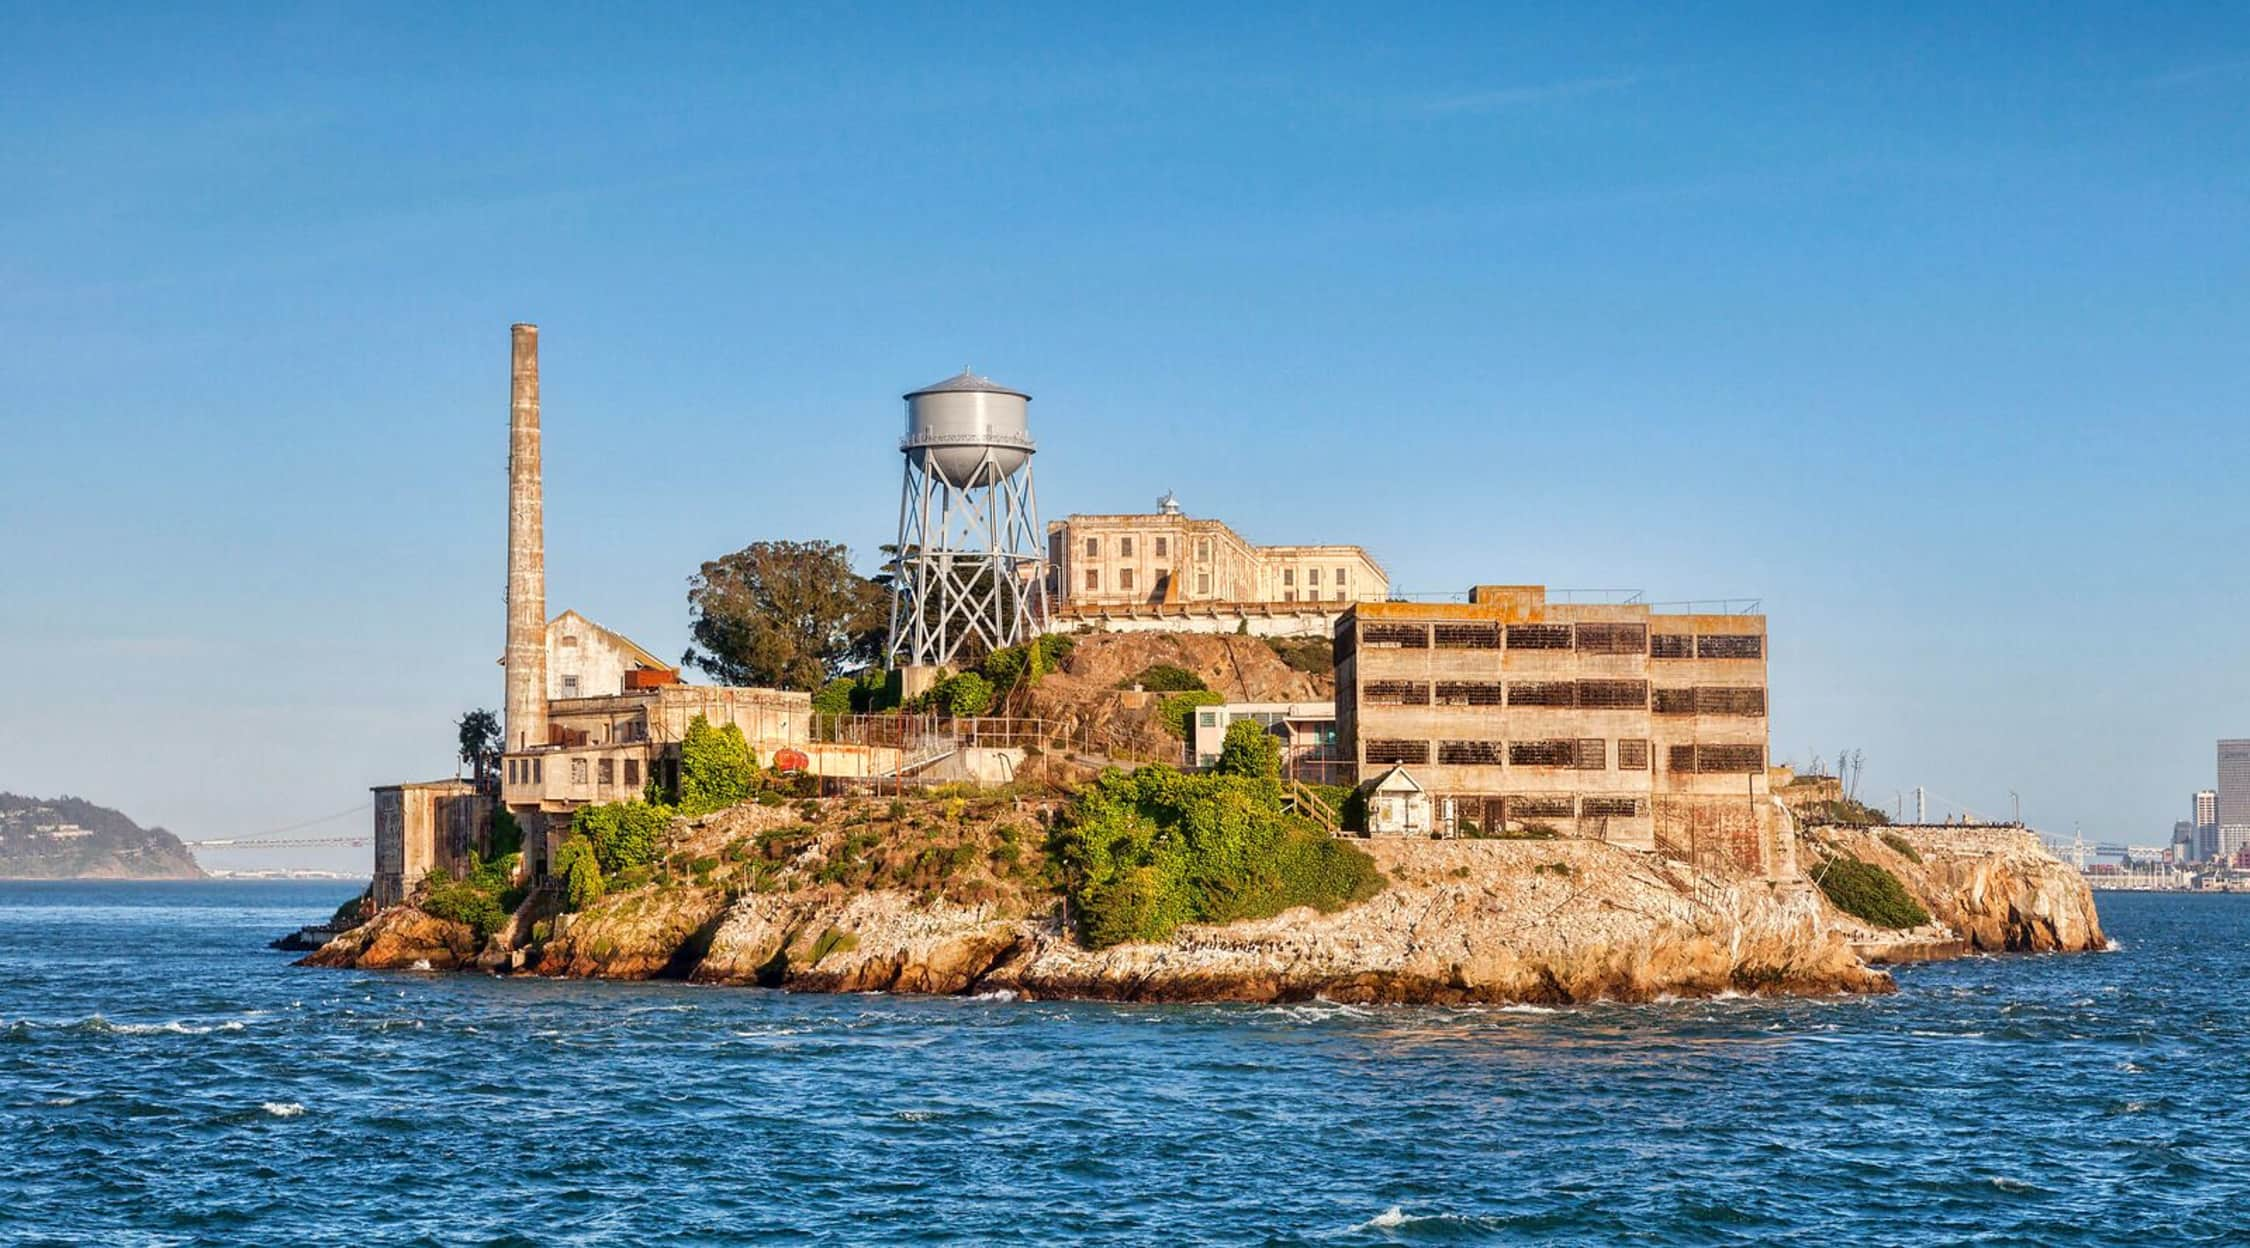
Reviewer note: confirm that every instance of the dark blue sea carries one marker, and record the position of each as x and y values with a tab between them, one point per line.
164	1078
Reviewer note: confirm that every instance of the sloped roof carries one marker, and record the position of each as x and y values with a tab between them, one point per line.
631	648
966	382
1377	784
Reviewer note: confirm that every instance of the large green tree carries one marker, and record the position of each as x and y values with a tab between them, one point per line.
785	615
479	733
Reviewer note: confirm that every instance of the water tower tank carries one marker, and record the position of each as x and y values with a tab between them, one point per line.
952	427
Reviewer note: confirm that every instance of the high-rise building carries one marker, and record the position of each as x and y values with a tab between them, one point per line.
2206	824
2183	841
2232	799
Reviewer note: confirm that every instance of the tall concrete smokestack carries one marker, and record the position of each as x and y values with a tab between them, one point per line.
526	723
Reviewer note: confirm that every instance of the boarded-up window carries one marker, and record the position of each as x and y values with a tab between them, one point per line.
1542	693
1730	646
1543	806
1724	700
1632	755
1472	636
1673	702
1609	807
1470	753
1671	646
605	771
1561	753
1377	634
1396	693
1592	755
1539	636
1125	577
632	773
1469	693
1124	548
1600	638
1613	695
578	771
1381	750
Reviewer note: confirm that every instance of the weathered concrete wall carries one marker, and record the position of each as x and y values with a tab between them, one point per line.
420	828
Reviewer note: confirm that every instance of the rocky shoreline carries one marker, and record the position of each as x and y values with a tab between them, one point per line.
1486	921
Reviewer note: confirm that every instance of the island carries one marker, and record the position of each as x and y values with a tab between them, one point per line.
70	838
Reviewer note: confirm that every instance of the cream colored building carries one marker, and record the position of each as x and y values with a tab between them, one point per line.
1167	565
419	828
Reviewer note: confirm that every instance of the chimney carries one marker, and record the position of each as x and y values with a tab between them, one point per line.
526	722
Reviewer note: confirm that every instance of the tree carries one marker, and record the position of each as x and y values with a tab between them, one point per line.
479	742
717	768
784	615
1249	752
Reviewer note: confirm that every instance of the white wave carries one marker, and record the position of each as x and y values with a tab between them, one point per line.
1524	1007
997	994
915	1115
1388	1219
282	1109
420	964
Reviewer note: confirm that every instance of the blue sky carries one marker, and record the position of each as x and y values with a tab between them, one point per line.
1924	324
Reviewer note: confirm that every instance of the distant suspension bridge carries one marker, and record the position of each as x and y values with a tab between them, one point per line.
280	838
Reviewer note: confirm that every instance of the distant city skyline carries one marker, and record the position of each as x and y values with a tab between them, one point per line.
1921	326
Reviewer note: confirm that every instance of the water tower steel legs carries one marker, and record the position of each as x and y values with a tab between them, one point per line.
968	564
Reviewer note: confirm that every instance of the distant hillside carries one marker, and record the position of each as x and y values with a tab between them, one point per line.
69	838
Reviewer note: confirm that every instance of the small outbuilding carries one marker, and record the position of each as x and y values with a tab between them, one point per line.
1397	805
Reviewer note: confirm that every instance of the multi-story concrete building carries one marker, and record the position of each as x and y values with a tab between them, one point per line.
1598	720
419	828
1167	569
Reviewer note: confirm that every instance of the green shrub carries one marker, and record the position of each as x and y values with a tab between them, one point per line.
1869	892
835	697
1905	848
1165	678
507	834
1316	655
621	834
579	869
464	902
1250	752
1150	850
717	769
1176	708
1013	667
832	941
961	694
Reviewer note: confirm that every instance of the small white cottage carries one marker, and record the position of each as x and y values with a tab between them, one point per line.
1397	805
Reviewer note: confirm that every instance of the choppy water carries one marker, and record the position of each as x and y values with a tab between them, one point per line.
164	1078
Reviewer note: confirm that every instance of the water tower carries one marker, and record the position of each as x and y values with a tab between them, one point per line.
971	556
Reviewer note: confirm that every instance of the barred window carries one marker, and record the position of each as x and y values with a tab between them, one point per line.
1726	700
1469	693
1470	753
1373	633
1671	646
1473	636
1719	758
1539	636
1396	693
1632	755
1561	753
1730	646
632	773
1542	693
578	771
1609	807
1673	702
1383	750
1541	807
605	772
1613	694
1593	754
1603	638
1125	548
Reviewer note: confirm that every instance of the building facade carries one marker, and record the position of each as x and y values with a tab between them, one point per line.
1597	720
2206	825
1168	564
1306	730
419	828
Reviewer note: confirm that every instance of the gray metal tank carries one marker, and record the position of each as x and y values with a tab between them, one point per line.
953	425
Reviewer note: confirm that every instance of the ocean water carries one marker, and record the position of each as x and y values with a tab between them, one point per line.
166	1079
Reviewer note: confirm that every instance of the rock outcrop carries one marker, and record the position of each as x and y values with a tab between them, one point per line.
400	939
1988	890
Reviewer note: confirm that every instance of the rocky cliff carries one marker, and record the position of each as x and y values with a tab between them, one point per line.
953	897
1989	889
